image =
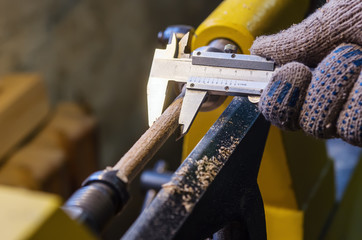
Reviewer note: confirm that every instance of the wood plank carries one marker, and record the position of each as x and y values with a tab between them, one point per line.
23	107
60	156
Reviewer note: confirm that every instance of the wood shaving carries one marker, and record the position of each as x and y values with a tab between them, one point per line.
204	173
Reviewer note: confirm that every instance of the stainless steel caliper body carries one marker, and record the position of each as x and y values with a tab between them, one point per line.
203	73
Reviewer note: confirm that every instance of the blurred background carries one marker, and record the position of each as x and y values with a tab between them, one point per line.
73	77
97	53
82	67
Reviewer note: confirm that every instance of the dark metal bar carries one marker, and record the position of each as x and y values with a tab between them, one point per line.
101	196
216	184
154	180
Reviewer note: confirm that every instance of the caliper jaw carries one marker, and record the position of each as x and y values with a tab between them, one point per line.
190	107
156	94
156	87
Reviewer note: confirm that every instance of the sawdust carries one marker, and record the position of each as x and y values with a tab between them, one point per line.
207	169
199	174
225	152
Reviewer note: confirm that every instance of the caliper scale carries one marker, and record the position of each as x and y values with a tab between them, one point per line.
204	73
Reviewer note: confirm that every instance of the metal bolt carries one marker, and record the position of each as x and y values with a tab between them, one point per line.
230	48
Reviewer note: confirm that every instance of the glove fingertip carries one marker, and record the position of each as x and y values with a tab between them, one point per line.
282	99
326	97
259	45
264	46
349	123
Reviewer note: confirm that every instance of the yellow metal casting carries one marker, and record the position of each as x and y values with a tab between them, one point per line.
242	20
274	175
26	214
284	223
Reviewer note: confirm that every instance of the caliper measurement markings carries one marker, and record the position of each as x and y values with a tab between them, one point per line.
223	84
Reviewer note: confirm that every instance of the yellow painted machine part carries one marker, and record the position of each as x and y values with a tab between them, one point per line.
26	214
242	20
274	175
284	223
296	176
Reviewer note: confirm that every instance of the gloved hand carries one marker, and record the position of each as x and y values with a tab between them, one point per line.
326	101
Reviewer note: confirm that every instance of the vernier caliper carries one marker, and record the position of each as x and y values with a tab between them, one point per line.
203	73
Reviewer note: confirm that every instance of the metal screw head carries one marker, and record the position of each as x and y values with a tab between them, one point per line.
230	48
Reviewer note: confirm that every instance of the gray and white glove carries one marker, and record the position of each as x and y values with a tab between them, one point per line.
326	101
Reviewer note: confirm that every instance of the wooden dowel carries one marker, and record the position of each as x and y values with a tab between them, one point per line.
149	143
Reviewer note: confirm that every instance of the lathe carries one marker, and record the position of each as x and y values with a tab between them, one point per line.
240	178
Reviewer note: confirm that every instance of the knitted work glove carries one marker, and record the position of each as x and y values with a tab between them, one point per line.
325	102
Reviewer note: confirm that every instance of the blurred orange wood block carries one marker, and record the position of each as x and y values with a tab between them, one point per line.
23	106
59	156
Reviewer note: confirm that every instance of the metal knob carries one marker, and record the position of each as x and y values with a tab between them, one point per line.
230	48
